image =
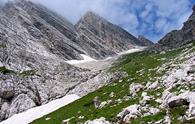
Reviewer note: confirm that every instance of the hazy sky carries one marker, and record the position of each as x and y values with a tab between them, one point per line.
151	18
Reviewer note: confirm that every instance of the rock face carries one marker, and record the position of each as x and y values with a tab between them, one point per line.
179	37
43	28
105	38
145	41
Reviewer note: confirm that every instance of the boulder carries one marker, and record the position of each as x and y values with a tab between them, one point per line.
153	85
145	98
187	98
21	103
134	88
191	69
103	104
167	120
154	111
101	120
129	113
7	89
111	94
4	110
165	97
177	102
97	102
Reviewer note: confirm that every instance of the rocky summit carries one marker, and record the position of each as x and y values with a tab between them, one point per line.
113	77
105	38
145	41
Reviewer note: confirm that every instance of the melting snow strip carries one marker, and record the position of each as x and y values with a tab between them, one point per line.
85	59
37	112
89	59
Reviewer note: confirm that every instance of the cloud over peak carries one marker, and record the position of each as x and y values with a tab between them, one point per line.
151	18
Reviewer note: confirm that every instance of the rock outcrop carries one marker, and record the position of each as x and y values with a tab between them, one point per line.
129	113
98	121
188	99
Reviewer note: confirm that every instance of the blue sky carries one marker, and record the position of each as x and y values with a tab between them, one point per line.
151	18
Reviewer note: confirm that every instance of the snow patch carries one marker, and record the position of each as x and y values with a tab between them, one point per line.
85	59
131	51
89	59
37	112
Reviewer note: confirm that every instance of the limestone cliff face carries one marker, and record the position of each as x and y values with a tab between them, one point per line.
179	37
36	23
103	37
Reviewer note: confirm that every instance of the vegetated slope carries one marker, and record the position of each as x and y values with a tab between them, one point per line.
148	71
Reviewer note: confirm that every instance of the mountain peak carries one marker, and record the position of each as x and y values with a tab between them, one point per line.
146	41
92	18
103	36
91	14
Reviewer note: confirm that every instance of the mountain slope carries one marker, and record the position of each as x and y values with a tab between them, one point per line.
153	81
159	88
42	26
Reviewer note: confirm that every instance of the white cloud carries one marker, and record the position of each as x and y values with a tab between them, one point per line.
112	10
173	8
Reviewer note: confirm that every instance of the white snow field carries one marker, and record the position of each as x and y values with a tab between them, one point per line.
131	51
37	112
92	64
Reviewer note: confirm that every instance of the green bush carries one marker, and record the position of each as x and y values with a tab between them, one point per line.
28	73
4	70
